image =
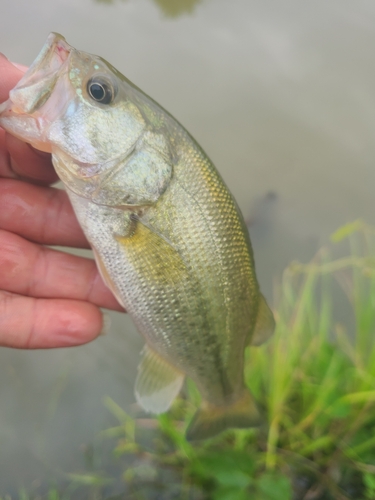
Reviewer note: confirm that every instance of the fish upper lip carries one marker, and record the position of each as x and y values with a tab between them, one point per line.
62	51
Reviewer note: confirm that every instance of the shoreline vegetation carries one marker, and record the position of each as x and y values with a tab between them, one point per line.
314	381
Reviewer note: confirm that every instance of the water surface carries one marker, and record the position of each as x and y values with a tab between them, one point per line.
281	97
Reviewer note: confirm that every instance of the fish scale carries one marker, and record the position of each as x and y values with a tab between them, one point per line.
167	235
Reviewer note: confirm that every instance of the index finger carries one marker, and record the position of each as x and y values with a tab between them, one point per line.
18	159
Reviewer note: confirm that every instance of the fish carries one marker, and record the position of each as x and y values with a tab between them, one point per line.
167	235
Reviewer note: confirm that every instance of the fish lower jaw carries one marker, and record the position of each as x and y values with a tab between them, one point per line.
3	107
25	128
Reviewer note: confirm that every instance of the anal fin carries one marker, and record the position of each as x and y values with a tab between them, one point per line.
265	323
158	382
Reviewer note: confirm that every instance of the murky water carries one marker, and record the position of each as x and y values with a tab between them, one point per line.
280	95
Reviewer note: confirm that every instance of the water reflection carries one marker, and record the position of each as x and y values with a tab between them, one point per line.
170	8
174	8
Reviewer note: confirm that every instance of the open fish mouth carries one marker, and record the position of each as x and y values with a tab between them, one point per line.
21	114
43	72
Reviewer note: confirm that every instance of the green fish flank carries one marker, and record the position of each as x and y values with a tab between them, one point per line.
167	235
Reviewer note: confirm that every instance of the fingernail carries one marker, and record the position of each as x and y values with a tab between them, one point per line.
21	67
106	325
43	154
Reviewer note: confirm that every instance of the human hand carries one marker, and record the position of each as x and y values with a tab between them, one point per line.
47	298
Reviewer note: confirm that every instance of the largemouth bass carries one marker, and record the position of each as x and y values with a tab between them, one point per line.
167	235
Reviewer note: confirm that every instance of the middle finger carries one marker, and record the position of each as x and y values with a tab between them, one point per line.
40	214
29	269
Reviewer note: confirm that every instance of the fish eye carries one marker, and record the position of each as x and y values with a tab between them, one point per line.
100	90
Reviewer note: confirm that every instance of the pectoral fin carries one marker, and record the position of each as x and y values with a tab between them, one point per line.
158	382
153	255
265	323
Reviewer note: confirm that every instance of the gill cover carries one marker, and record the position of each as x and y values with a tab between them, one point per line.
90	117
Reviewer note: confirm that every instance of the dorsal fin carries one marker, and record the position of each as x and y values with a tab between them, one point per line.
265	323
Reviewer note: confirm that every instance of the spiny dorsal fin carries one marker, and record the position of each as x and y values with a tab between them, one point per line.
158	382
265	323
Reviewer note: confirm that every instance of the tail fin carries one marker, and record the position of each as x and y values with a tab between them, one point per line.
210	420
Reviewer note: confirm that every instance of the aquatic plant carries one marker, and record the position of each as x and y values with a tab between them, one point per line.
169	8
314	380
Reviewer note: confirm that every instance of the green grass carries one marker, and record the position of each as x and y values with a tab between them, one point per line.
315	380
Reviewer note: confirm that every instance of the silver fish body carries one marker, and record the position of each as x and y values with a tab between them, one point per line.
167	235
